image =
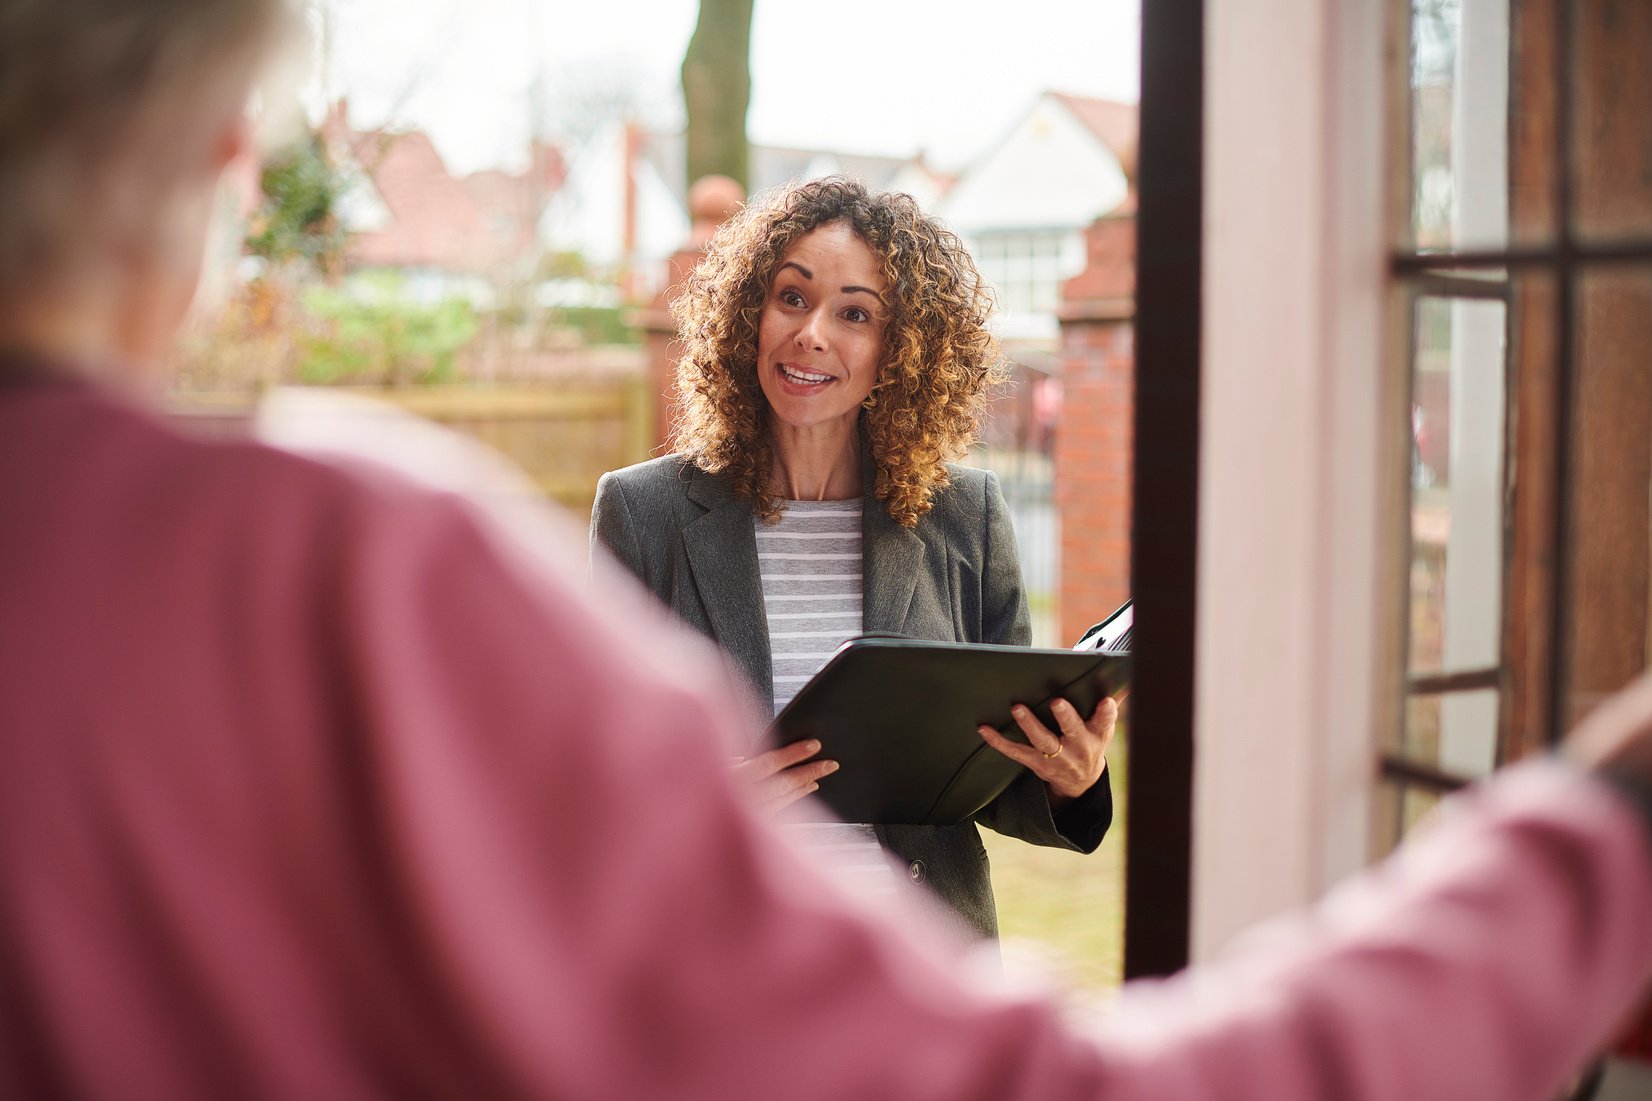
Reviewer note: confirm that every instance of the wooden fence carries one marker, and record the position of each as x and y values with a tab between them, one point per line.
564	433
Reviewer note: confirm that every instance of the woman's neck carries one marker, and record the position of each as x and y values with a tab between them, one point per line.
818	463
86	332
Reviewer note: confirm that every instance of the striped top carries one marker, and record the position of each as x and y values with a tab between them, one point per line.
810	567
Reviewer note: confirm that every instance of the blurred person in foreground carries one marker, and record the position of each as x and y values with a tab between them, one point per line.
836	357
315	785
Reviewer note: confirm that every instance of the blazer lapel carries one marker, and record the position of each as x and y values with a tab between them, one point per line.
722	554
891	557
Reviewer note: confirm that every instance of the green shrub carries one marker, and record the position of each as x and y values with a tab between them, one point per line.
295	219
594	324
381	338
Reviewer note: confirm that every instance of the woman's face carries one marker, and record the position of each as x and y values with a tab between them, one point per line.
820	337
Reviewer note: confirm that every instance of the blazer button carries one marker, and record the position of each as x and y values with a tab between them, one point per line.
915	871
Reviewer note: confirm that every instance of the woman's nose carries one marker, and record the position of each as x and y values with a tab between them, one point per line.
812	333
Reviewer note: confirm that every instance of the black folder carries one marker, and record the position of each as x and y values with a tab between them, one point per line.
900	715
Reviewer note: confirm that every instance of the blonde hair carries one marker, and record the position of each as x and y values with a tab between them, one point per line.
97	98
938	357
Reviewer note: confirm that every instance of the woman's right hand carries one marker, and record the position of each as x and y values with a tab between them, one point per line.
777	778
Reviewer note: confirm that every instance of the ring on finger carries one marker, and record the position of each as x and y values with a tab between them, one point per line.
1059	746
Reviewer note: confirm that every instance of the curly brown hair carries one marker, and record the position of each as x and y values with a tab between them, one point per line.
938	357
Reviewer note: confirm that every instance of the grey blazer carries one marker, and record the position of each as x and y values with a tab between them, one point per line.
955	577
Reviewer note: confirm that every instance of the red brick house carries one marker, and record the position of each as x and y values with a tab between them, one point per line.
407	212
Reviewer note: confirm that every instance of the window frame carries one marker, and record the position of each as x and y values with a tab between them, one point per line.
1535	666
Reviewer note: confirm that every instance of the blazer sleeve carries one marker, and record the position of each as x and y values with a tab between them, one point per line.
613	538
1023	810
1004	619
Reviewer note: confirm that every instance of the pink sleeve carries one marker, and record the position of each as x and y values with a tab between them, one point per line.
1489	959
585	900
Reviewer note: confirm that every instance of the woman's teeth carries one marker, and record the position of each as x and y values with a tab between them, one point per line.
806	378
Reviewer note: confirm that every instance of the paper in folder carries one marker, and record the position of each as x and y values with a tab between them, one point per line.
899	716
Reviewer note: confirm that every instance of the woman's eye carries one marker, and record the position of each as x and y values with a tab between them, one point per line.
791	298
855	313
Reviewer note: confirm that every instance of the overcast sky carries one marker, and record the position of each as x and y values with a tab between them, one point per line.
856	76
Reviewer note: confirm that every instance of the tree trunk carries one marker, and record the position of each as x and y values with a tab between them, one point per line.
717	90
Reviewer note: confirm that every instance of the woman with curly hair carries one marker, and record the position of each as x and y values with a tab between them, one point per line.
836	361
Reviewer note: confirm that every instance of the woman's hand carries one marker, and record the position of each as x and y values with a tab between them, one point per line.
1069	763
1616	737
777	778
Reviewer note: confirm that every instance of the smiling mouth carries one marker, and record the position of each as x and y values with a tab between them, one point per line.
803	378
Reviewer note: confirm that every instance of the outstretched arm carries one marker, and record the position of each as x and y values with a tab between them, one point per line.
606	917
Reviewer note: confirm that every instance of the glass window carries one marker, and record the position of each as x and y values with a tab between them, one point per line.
1459	110
1458	482
1026	270
1457	448
1527	285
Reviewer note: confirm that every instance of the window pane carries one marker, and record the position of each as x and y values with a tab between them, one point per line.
1399	806
1455	731
1611	125
1046	294
1605	619
1457	478
1460	130
1415	804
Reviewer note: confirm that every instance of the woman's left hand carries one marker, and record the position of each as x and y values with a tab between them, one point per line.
1069	763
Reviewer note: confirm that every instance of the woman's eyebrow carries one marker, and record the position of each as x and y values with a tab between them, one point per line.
809	275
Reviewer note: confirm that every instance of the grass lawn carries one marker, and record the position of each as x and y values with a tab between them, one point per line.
1062	913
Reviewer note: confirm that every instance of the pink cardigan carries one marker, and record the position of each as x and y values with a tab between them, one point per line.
313	785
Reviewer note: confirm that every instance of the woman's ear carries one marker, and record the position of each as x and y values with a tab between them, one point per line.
233	141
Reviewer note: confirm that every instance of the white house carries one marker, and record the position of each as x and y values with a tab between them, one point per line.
1024	203
619	208
624	204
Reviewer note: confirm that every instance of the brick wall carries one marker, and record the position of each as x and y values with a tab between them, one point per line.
712	200
659	334
1093	437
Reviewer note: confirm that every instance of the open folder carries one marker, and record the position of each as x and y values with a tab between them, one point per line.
899	716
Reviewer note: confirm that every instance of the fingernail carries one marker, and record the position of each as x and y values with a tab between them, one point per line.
1018	710
831	766
813	788
812	746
